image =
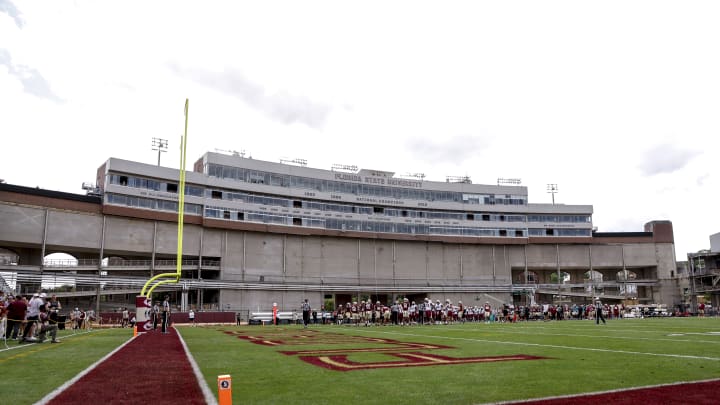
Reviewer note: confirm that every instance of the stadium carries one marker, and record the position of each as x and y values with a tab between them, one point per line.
261	236
258	233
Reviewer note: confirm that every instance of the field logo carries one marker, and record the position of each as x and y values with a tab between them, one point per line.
408	354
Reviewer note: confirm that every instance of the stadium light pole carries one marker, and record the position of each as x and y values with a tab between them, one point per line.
552	189
160	145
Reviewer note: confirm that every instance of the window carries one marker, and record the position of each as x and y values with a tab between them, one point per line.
297	204
549	232
226	214
378	210
503	232
485	217
297	221
172	188
216	195
123	180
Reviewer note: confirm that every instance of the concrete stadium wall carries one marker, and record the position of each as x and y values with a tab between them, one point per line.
321	260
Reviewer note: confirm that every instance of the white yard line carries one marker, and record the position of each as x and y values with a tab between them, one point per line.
209	396
516	332
589	349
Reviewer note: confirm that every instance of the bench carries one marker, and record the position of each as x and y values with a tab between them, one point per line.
284	317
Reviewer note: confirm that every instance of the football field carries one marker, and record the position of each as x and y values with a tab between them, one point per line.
451	364
462	363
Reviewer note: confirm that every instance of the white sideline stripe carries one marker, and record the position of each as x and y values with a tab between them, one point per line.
49	397
590	349
209	396
603	392
29	344
512	332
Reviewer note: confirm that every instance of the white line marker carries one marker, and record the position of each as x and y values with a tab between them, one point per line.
49	397
590	349
209	396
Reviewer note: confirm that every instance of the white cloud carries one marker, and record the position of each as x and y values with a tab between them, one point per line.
665	158
281	106
6	6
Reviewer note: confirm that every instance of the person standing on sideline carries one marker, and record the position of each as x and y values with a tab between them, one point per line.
16	311
165	314
33	315
125	317
191	316
306	313
599	313
155	315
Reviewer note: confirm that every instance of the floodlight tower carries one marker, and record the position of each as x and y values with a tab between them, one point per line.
552	189
159	145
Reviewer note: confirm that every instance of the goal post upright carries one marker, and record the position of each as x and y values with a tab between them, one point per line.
143	302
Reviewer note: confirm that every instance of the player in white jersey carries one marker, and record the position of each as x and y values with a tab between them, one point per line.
428	311
488	311
438	312
413	312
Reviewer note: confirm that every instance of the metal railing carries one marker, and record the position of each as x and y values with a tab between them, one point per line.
67	263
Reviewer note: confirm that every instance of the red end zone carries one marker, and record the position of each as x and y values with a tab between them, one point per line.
699	393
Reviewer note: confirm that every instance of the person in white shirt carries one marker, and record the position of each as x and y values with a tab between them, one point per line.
33	314
166	314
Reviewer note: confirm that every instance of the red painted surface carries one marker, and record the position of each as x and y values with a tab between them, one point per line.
152	369
703	393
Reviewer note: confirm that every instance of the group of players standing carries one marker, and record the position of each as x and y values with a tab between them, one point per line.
406	312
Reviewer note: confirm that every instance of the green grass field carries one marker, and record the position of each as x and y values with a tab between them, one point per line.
576	357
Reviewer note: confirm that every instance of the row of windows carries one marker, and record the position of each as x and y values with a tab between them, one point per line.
149	184
151	203
393	212
332	223
559	218
136	182
361	226
330	186
559	232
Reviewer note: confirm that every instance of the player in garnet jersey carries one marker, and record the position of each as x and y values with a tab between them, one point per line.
368	312
405	311
354	313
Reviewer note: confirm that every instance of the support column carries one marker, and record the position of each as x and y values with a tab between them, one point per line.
152	256
493	263
100	266
184	299
44	240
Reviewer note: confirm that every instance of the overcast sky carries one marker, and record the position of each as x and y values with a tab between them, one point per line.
618	103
